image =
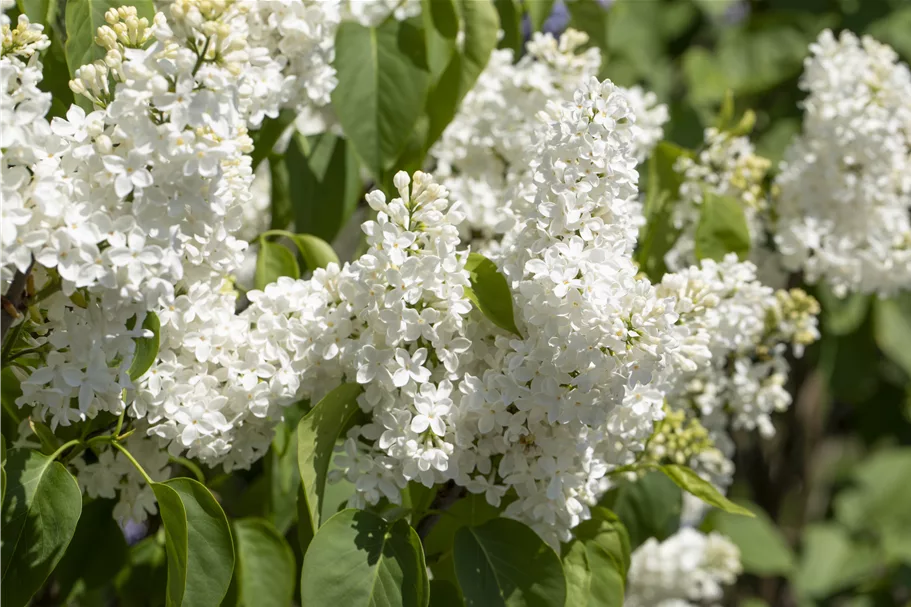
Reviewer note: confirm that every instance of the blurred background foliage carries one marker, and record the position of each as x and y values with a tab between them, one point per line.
832	490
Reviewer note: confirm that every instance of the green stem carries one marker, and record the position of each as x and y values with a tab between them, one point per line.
202	55
133	461
120	422
64	447
191	466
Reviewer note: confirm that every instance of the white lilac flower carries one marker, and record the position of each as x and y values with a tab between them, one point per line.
371	13
844	209
687	569
481	154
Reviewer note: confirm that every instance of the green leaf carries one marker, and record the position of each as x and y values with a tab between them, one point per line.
357	558
274	260
317	434
831	562
40	512
605	530
648	507
504	562
267	136
593	578
596	561
538	11
317	253
97	552
490	293
83	18
198	540
39	11
264	572
763	549
146	347
892	328
722	228
444	593
383	79
324	183
510	13
689	481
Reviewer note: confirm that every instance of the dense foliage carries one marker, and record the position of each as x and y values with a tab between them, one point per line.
445	302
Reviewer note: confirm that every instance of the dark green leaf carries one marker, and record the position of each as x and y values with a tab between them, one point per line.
282	471
510	13
591	17
264	572
199	545
466	64
689	481
146	347
268	134
472	510
444	593
143	580
357	558
317	434
83	18
648	507
763	549
504	562
325	183
40	512
490	293
97	552
274	260
842	315
282	210
383	78
49	442
538	12
722	228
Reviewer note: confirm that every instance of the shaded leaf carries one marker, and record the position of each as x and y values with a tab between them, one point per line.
504	562
648	507
324	183
763	549
264	572
357	558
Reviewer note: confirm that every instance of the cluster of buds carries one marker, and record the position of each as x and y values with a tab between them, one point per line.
25	40
793	317
125	28
676	439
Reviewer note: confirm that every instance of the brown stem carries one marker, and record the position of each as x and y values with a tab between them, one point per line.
448	495
13	302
